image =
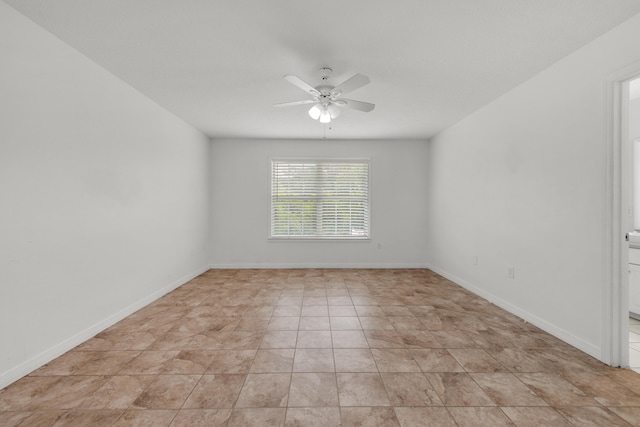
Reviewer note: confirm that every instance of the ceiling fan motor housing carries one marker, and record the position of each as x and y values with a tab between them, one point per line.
326	97
325	91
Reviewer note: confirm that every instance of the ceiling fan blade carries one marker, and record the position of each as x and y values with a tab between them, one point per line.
292	103
353	83
297	81
355	105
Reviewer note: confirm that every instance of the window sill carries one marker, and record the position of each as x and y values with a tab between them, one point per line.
319	239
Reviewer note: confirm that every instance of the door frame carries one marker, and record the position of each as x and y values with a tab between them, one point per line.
617	217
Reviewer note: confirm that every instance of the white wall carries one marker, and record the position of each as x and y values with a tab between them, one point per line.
241	195
104	198
521	183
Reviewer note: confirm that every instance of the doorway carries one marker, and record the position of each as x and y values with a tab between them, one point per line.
618	218
632	116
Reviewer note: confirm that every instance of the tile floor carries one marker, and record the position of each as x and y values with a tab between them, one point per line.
634	344
323	348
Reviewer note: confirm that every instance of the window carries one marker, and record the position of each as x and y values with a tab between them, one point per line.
313	199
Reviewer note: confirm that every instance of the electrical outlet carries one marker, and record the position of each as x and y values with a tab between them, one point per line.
511	272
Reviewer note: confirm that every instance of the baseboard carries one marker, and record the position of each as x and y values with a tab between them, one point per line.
550	328
48	355
268	266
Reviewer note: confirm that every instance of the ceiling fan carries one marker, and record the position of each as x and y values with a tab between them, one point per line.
326	98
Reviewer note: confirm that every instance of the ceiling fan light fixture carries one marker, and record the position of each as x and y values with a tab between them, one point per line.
314	112
333	111
325	117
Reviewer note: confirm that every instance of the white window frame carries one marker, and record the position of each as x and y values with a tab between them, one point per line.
278	238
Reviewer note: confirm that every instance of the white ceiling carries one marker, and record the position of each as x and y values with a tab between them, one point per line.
218	64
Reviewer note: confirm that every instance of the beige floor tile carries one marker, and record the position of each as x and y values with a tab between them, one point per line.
602	388
354	360
369	417
87	363
339	300
166	392
273	361
396	311
264	391
342	310
279	339
215	391
476	360
258	324
345	323
349	339
507	390
111	341
244	417
591	416
516	359
555	390
409	389
314	323
290	323
12	419
422	310
624	378
406	323
231	362
80	417
417	417
49	392
313	417
238	346
557	360
149	362
361	389
458	389
418	339
314	300
287	311
369	311
313	360
395	360
431	323
376	324
39	418
313	389
455	339
535	416
189	362
290	300
363	300
315	311
629	414
119	392
384	339
172	341
141	417
314	339
201	417
243	340
480	416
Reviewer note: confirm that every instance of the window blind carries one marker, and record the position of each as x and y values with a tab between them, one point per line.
320	199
